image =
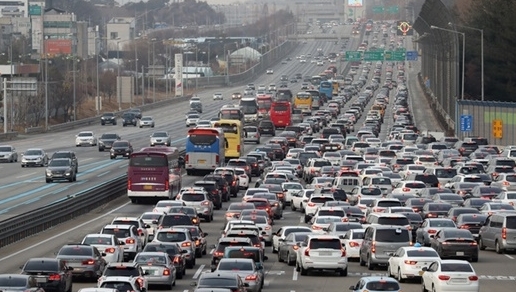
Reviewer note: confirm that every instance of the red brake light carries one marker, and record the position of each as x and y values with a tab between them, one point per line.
251	278
311	204
218	254
353	244
167	186
129	184
464	227
176	260
205	203
166	272
54	277
504	233
109	250
185	244
473	278
408	262
343	252
443	277
307	252
315	227
373	247
129	241
88	262
432	231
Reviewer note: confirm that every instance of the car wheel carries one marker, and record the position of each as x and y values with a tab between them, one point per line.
370	265
292	207
304	272
399	277
279	257
481	245
297	267
274	249
179	274
208	219
423	289
48	180
344	273
289	261
498	248
101	149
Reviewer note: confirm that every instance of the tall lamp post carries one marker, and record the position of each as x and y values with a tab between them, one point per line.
119	83
481	54
463	52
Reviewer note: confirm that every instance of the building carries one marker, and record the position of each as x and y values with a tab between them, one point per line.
240	13
58	28
120	30
18	8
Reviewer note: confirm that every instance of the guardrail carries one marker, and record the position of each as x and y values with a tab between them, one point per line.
8	136
27	224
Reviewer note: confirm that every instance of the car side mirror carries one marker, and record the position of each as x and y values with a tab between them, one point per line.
351	288
265	257
121	243
154	221
424	269
193	284
246	284
146	226
69	268
103	254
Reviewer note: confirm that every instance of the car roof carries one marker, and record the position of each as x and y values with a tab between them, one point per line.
118	226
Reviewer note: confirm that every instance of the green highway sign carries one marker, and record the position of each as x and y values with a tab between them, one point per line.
395	55
378	9
373	56
353	56
392	9
401	49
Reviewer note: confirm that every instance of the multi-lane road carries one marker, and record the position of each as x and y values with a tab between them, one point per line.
24	189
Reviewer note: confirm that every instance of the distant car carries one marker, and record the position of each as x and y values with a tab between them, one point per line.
85	138
160	138
147	121
158	267
136	111
218	96
60	169
67	154
8	153
34	157
108	118
192	120
129	119
252	134
320	63
270	71
121	148
107	140
236	95
203	124
374	283
450	275
108	244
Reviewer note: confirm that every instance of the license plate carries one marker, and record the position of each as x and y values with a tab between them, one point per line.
41	280
147	187
440	216
201	161
151	272
325	253
459	253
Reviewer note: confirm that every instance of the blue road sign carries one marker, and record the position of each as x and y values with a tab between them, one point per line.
466	123
412	55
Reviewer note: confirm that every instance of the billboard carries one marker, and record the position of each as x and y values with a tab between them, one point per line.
58	47
179	74
355	3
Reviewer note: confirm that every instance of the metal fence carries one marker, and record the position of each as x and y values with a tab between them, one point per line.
481	118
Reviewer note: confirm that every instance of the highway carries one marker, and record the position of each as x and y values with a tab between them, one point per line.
493	269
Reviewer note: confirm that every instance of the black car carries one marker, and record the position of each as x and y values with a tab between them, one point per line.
106	141
213	192
129	118
435	210
60	169
196	106
67	154
137	112
52	274
121	148
17	282
173	219
455	243
222	185
266	127
173	250
255	166
86	260
108	118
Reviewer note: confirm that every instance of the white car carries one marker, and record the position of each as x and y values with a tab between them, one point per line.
270	71
203	124
142	227
408	187
283	232
302	61
164	205
314	203
411	168
243	178
320	223
505	198
85	138
450	275
121	284
192	120
108	244
505	181
194	99
218	96
290	188
34	157
263	223
407	262
321	252
426	161
128	234
300	200
352	241
146	121
8	153
151	219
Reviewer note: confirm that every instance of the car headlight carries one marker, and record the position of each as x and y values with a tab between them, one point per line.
101	142
112	150
49	171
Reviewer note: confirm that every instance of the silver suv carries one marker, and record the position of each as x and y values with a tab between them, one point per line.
380	242
181	237
200	200
498	232
129	235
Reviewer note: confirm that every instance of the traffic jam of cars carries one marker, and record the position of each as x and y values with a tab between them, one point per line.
374	191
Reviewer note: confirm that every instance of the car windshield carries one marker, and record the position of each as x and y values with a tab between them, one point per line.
33	152
160	134
190	197
171	236
121	144
325	243
456	267
58	162
146	119
150	259
109	136
392	235
217	282
5	149
235	266
120	233
151	216
382	286
37	265
399	221
12	282
422	253
75	251
97	240
85	134
441	223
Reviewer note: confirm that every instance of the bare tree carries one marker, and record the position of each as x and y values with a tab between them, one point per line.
108	83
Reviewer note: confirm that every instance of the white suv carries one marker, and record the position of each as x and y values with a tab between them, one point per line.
314	203
121	284
199	200
142	227
129	235
322	252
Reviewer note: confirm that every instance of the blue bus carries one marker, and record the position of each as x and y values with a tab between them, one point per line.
205	150
326	88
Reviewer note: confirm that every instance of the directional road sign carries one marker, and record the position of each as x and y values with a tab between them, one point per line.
373	56
498	129
394	56
353	56
466	123
378	9
412	55
392	9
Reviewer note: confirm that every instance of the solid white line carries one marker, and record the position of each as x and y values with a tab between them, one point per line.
185	290
62	233
27	174
198	272
294	275
103	174
292	290
86	159
508	256
211	251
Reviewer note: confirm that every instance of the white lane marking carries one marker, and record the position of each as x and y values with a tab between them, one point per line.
86	159
14	254
211	251
27	174
508	256
292	290
185	290
103	174
302	219
294	275
123	166
198	272
266	283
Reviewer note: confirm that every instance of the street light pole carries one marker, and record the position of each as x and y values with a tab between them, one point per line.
118	75
463	52
481	55
74	90
97	98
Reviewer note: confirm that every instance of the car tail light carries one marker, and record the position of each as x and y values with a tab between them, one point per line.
353	244
129	241
109	250
408	262
218	254
186	244
195	220
343	252
166	272
311	204
217	159
373	247
258	244
187	158
238	148
432	231
176	260
251	278
140	231
267	228
473	278
167	186
205	203
504	233
140	281
473	243
307	252
443	277
506	183
315	227
464	227
406	189
129	184
88	262
54	277
295	247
